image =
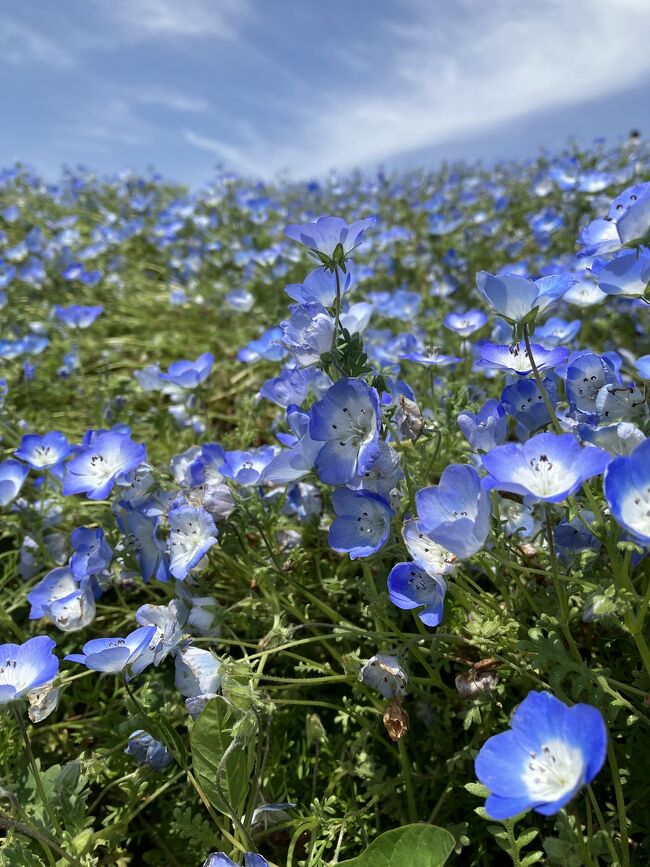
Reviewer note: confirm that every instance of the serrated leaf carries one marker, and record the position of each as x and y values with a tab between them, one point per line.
209	741
410	846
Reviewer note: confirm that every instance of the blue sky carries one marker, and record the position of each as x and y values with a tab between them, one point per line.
302	86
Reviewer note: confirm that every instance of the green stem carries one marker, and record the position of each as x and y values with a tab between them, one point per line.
620	803
405	762
37	777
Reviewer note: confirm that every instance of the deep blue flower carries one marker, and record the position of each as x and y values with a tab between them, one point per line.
24	667
411	587
627	490
192	534
247	467
148	751
42	451
109	456
514	357
205	467
326	233
485	429
549	467
12	478
362	522
456	512
115	654
548	754
77	316
523	400
585	376
92	553
347	420
383	475
189	374
142	537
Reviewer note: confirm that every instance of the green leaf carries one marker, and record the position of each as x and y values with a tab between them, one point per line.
209	741
410	846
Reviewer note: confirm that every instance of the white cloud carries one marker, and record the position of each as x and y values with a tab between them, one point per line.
457	70
19	43
224	152
173	99
142	19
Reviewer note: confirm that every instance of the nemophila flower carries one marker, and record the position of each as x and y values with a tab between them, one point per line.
465	324
326	233
113	655
411	587
347	420
627	490
362	522
289	387
620	438
204	465
240	300
308	333
77	316
12	478
92	553
523	400
557	332
247	468
95	471
514	358
147	750
24	667
43	451
574	537
295	462
267	346
620	403
168	632
427	553
549	753
549	467
431	357
319	286
585	376
302	500
485	429
515	297
142	538
43	701
189	374
628	273
69	603
383	673
383	475
627	220
456	511
220	859
192	534
197	673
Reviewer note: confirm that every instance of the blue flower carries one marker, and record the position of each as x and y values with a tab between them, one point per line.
557	332
308	333
485	429
147	750
267	346
383	475
549	467
362	522
42	451
456	512
12	478
113	655
627	490
409	587
289	387
24	667
247	468
192	534
298	460
220	859
347	420
431	357
523	400
514	297
620	438
326	233
95	471
198	677
189	374
465	324
628	220
426	553
77	316
585	376
168	632
205	467
548	754
319	286
142	538
69	603
628	273
514	357
92	553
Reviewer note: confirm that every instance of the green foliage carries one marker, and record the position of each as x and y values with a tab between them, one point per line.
411	846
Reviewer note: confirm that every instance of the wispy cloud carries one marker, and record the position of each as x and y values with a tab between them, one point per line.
20	43
459	70
172	99
143	19
224	152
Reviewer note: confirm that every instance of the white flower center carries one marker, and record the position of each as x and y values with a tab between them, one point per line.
554	772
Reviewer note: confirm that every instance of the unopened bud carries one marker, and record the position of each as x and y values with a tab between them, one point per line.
408	418
396	720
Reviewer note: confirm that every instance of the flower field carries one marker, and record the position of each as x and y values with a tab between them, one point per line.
325	513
